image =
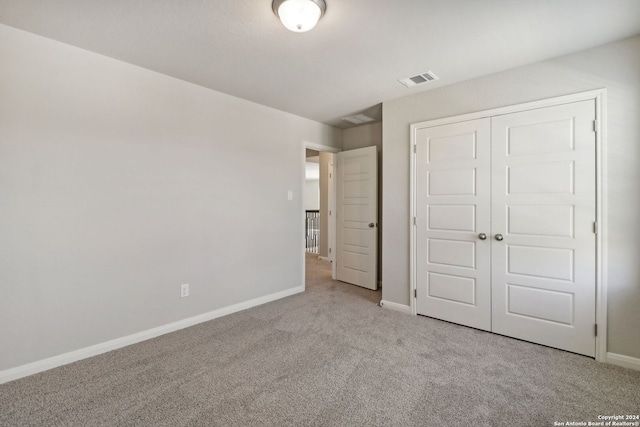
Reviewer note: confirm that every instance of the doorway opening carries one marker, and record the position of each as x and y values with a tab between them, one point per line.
312	202
317	204
344	229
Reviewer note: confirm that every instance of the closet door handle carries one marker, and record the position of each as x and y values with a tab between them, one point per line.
482	236
499	237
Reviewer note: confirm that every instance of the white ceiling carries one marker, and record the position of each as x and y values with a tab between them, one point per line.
348	64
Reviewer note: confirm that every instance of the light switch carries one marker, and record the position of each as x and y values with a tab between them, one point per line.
289	195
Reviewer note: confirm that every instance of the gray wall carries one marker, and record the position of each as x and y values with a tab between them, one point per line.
362	136
118	184
369	135
325	159
615	67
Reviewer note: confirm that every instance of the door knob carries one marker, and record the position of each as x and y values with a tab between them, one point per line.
499	237
482	236
371	225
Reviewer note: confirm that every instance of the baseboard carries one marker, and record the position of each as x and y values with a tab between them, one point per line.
94	350
395	306
624	361
324	258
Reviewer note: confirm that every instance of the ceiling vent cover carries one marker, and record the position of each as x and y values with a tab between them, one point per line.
419	79
359	119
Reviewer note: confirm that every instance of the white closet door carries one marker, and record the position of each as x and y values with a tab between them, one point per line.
452	210
543	207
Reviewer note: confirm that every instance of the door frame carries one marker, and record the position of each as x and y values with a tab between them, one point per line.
599	96
331	223
331	232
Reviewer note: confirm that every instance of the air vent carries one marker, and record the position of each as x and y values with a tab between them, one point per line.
419	79
359	119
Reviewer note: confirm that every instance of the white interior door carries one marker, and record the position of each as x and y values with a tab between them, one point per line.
543	266
453	224
357	217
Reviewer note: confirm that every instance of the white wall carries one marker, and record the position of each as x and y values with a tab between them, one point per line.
118	184
312	194
615	67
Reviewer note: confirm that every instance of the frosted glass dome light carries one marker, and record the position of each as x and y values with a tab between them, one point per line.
299	15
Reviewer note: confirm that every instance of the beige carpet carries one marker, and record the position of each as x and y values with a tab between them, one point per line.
327	357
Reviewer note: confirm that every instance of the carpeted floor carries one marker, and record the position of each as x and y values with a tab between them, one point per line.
327	357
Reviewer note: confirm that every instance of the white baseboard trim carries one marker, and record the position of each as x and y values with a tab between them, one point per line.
324	258
624	361
94	350
395	306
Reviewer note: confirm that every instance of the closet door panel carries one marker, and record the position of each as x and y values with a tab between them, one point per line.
543	208
452	209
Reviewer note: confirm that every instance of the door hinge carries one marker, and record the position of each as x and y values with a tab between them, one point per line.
595	329
595	126
415	148
414	221
415	293
595	227
329	250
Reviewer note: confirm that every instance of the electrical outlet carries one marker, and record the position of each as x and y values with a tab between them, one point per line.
184	290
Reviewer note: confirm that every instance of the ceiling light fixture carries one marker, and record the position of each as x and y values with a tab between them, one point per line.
299	15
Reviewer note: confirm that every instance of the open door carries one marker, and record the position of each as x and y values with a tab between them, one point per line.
357	217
